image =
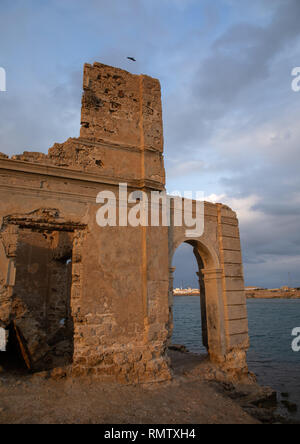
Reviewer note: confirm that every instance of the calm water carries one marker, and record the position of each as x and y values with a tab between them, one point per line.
270	325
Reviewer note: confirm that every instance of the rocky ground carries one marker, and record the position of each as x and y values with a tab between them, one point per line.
190	398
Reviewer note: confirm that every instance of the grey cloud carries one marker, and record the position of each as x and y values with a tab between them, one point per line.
232	80
217	93
182	168
36	120
242	56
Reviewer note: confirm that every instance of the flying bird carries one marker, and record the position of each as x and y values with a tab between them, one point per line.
132	59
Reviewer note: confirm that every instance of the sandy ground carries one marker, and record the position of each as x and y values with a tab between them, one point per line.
184	400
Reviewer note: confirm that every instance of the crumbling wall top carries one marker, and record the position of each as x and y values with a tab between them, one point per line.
121	129
120	107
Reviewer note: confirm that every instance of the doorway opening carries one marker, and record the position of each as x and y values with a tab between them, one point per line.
189	302
42	297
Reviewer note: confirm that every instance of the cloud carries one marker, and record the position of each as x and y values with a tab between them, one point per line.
40	117
245	207
181	168
230	116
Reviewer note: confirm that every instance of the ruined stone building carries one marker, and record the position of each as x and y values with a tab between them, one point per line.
100	298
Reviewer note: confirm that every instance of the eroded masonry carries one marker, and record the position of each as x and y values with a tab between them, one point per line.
99	299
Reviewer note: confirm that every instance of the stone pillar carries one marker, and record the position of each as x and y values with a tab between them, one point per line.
215	314
203	310
171	302
8	253
237	338
79	354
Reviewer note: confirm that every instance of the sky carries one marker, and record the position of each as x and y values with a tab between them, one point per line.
230	115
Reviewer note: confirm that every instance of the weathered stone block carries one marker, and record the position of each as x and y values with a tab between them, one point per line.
240	341
230	231
232	257
233	270
235	312
234	284
229	243
238	326
235	297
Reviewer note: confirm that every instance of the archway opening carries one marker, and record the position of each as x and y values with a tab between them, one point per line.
188	323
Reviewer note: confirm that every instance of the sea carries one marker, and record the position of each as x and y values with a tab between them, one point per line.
270	357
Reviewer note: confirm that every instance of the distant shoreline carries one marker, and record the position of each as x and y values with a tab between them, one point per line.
273	294
291	293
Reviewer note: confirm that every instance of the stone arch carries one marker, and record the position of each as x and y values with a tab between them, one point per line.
205	250
212	304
